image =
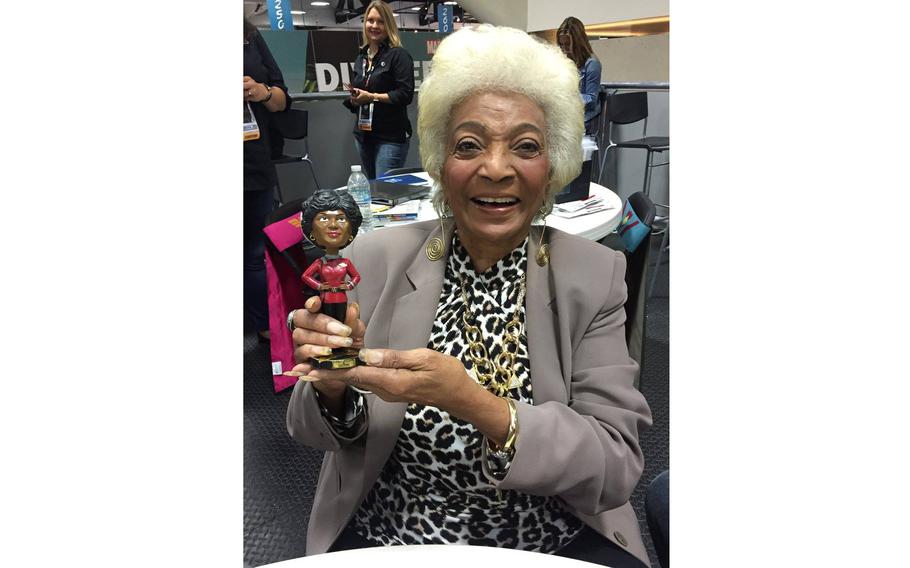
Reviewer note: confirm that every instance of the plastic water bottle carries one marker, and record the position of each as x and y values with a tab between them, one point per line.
359	188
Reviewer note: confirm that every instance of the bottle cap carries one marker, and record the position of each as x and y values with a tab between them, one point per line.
355	168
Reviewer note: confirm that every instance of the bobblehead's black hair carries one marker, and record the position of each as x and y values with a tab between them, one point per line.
330	200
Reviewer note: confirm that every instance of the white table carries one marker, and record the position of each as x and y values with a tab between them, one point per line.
435	555
593	227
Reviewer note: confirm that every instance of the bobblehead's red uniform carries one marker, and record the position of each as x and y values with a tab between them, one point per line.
332	273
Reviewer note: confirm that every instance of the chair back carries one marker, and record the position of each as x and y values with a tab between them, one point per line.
636	268
292	124
626	108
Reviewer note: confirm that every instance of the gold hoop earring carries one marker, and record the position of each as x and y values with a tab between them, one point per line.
436	248
350	238
311	237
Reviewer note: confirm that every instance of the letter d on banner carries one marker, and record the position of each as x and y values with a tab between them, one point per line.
280	15
444	15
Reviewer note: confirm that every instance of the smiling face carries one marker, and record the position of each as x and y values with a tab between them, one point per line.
496	174
331	230
375	27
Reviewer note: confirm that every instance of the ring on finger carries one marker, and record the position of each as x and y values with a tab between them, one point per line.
291	325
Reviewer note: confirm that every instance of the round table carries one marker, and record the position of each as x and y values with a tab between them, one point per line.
594	226
436	555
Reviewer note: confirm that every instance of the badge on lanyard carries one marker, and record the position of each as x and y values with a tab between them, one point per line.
365	117
365	112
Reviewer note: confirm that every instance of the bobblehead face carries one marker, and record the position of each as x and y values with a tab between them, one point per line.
332	230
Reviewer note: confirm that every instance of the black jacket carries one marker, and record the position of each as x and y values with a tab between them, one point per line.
393	73
258	63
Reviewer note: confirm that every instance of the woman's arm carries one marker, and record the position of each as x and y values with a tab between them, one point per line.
590	84
587	452
278	99
402	93
352	272
309	416
309	274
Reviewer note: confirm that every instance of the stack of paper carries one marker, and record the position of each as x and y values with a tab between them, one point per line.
406	211
572	209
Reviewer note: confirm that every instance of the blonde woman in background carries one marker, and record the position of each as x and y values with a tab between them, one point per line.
381	90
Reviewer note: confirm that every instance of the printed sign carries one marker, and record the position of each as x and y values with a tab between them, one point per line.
444	15
322	61
280	15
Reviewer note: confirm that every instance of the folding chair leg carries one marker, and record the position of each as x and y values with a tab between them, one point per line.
646	187
603	165
312	171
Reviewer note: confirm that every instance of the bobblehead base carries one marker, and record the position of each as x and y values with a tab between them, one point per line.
341	358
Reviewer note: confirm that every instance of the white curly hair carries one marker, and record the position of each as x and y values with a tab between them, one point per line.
499	59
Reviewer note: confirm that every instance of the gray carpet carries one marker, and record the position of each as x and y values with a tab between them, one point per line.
279	475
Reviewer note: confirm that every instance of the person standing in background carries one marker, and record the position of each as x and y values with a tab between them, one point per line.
573	40
381	90
265	92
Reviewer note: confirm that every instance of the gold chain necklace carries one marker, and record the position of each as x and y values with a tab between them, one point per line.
498	376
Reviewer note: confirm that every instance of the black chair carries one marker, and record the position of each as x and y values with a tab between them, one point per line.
664	246
657	512
636	269
293	125
629	108
401	171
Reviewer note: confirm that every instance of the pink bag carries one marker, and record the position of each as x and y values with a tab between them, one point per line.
286	292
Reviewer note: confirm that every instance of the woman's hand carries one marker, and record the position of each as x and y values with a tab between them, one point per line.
253	91
361	97
315	334
424	376
421	376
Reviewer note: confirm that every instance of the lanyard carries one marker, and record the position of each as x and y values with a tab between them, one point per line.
363	67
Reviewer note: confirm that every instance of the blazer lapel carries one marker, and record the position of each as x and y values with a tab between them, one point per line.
541	324
411	324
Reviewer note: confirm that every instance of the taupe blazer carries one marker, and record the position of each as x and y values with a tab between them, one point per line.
578	441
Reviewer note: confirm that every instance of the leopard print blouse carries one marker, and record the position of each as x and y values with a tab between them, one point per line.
432	489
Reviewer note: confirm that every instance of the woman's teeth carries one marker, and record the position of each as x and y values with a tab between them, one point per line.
495	200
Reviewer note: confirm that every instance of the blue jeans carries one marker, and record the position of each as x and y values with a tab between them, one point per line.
256	207
379	157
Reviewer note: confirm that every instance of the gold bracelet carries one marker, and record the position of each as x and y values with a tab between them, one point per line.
509	446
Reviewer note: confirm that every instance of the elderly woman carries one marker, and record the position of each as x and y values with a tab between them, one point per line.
501	407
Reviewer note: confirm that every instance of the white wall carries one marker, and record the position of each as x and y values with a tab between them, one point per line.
630	59
512	13
548	14
536	15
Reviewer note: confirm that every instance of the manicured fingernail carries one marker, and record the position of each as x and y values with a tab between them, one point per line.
371	357
309	379
341	341
336	328
323	350
293	373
